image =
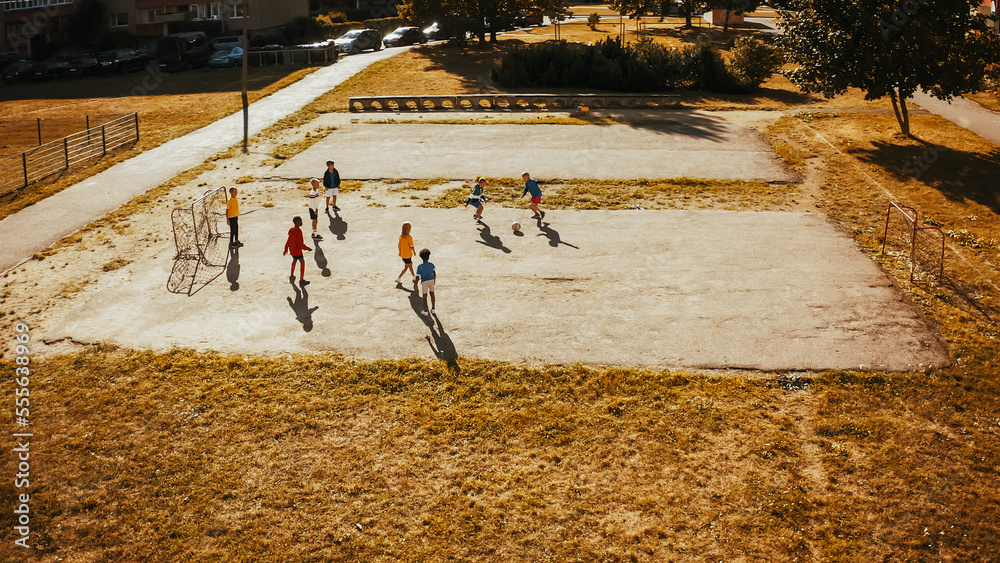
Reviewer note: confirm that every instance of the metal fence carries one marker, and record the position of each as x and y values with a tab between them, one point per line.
59	155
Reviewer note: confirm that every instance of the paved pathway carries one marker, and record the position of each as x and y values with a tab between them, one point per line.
38	226
963	113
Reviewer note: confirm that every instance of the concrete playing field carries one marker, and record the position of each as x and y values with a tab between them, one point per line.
696	289
697	144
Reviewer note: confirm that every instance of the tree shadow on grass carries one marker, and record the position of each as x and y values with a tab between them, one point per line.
959	175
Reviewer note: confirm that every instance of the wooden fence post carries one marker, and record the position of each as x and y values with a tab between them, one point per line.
24	163
66	152
136	117
104	142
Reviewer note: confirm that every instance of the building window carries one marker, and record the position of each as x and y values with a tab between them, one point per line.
119	20
205	11
236	11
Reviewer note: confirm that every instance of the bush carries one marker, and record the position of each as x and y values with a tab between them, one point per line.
753	60
593	20
645	66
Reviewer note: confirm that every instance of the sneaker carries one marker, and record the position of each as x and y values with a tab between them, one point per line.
291	279
399	281
424	312
317	236
535	216
304	283
239	244
543	215
432	311
335	208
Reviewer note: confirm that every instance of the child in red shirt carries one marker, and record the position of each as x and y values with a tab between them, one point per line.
296	245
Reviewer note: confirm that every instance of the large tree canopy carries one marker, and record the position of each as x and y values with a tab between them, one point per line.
481	17
888	48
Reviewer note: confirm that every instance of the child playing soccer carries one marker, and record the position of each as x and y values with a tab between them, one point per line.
314	207
406	253
531	186
295	245
476	199
233	219
427	276
331	181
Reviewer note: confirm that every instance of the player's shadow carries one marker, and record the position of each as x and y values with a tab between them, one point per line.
553	235
233	269
417	303
443	347
301	307
491	240
321	262
337	224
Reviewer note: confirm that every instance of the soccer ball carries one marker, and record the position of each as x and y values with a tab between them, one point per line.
515	226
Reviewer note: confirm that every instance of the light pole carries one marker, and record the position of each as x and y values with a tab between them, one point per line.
246	105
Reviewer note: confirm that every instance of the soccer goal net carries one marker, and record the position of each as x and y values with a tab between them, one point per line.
199	227
919	246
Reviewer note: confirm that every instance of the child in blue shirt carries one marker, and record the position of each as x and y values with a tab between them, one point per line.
476	199
531	187
427	276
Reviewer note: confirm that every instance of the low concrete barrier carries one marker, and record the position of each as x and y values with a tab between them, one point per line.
509	102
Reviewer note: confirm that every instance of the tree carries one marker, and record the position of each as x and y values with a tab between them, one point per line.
689	8
733	6
887	48
478	16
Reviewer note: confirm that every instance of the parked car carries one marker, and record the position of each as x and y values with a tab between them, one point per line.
52	68
432	31
7	59
227	42
226	58
358	40
16	72
180	51
530	18
404	36
82	66
121	60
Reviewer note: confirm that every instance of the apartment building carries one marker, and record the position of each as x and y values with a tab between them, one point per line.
30	22
156	18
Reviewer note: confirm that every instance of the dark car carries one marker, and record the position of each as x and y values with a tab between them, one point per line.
358	40
121	60
181	51
404	36
82	66
21	70
48	70
7	59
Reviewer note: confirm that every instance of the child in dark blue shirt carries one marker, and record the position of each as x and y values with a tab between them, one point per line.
427	276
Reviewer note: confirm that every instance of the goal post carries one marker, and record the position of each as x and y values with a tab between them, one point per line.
922	246
199	227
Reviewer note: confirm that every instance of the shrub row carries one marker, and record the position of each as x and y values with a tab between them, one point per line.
645	66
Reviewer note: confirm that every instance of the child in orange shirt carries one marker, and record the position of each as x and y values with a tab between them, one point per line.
406	252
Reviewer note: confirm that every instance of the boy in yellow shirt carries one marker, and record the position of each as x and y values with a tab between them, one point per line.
233	219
